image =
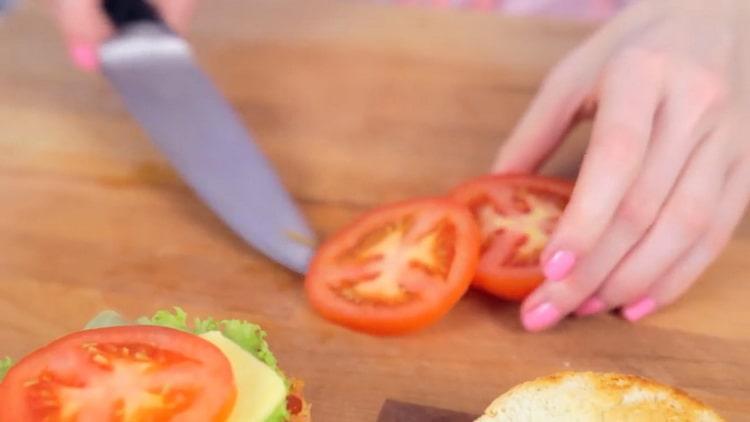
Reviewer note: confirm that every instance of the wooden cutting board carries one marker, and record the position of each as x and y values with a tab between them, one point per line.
357	104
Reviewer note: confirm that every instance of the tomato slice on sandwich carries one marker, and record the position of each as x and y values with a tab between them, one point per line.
129	373
516	215
398	268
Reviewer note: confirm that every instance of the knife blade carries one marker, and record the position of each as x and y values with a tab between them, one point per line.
181	110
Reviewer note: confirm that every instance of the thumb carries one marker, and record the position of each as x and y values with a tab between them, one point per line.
544	125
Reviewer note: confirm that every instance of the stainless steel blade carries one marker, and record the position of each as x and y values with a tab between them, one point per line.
155	73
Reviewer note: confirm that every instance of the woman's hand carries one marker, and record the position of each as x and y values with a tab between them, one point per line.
84	25
666	176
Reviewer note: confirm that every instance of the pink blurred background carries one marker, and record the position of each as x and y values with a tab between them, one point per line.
576	9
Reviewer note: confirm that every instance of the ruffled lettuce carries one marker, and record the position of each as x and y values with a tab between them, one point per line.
247	335
106	319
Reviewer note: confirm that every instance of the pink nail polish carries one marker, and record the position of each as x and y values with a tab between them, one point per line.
592	306
541	317
84	57
639	309
558	265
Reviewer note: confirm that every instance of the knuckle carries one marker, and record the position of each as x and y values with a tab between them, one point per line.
691	217
642	55
646	61
622	141
637	213
617	291
585	279
705	84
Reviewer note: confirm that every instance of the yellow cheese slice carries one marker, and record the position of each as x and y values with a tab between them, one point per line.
260	390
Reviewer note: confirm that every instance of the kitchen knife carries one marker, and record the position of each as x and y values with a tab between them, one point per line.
181	110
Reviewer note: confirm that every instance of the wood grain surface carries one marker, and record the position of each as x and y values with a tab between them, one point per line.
357	104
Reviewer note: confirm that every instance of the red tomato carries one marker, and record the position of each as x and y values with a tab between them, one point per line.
396	269
124	374
516	215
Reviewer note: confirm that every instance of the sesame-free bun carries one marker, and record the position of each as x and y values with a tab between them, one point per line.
596	397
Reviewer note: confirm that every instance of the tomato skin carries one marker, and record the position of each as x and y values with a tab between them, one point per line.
513	285
209	392
430	305
508	282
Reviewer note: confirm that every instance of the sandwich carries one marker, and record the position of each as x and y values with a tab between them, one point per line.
162	368
596	397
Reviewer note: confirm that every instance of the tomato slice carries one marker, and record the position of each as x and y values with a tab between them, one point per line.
123	374
398	268
516	215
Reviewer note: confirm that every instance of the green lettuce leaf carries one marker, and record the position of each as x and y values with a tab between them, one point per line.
106	319
247	335
5	365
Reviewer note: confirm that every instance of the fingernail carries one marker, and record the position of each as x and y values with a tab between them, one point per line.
541	317
558	265
84	57
592	306
639	309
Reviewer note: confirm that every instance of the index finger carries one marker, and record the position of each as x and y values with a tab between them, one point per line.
628	101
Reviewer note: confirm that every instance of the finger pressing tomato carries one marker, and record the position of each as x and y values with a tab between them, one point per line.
660	190
516	215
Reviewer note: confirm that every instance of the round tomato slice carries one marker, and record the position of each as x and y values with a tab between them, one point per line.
516	215
123	374
396	269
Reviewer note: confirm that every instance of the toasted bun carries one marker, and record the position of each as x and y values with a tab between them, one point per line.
596	397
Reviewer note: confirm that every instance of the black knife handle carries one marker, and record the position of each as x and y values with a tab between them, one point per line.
124	12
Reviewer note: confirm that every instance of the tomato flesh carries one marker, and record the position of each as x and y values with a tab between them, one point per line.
391	259
516	215
122	374
397	269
